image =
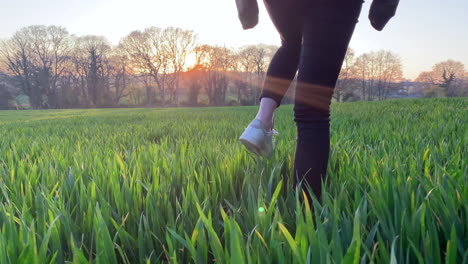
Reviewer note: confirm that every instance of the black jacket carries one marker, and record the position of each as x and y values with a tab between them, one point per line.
380	13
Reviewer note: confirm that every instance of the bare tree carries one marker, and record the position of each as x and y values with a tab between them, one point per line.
196	74
217	61
259	57
58	42
74	78
121	70
378	71
346	75
7	92
253	61
35	55
146	53
239	78
426	77
250	67
362	70
448	76
389	72
16	54
426	83
464	85
195	83
448	73
177	44
95	51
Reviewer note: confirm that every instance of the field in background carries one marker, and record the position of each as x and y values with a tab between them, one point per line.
174	185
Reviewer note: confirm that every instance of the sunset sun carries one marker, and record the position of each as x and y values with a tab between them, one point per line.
190	61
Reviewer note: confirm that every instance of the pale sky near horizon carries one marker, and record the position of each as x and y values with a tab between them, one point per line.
422	33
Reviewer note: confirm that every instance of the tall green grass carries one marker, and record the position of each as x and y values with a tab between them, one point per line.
174	185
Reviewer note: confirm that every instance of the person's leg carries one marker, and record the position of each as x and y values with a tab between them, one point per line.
283	66
266	111
327	30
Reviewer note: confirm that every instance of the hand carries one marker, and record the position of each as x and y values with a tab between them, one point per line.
248	13
381	11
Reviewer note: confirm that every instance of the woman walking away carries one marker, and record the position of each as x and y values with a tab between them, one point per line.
315	35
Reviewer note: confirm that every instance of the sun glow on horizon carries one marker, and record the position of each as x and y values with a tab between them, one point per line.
190	61
216	23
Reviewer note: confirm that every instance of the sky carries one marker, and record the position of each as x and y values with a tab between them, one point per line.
423	32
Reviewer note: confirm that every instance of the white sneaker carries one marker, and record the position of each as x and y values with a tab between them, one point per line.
257	140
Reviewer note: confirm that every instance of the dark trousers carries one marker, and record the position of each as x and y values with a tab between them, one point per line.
314	37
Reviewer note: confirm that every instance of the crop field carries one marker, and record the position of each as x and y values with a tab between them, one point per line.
175	186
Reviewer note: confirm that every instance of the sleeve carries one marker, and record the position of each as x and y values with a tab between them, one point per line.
381	11
248	13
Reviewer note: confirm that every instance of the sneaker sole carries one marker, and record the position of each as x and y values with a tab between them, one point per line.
250	146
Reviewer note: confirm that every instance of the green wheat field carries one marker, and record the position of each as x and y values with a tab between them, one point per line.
175	186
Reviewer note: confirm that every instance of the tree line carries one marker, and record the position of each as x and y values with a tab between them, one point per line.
52	68
377	75
447	78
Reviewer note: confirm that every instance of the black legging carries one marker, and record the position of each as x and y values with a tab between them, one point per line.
314	37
